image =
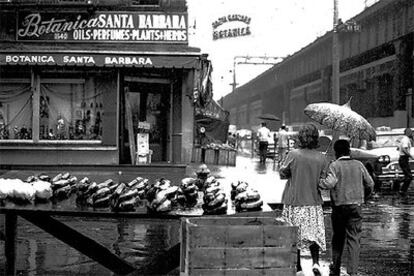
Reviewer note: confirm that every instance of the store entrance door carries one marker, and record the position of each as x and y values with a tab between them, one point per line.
150	103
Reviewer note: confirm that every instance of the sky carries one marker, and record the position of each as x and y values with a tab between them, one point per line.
278	28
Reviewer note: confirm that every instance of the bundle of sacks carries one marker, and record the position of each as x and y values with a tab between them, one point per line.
63	185
117	196
23	192
202	173
126	196
42	186
161	196
188	192
245	198
215	201
97	195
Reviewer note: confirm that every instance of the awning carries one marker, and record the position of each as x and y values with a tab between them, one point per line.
101	60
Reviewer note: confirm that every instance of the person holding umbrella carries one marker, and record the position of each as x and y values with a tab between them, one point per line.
302	200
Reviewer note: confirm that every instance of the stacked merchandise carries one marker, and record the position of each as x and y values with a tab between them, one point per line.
188	192
245	198
162	196
159	196
126	196
63	185
215	201
42	186
21	192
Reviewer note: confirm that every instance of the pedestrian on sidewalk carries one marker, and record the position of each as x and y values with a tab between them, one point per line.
348	181
405	153
282	144
302	200
264	135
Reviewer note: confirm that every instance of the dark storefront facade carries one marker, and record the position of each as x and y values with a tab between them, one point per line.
77	76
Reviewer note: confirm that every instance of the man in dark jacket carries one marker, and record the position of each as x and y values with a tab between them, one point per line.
348	180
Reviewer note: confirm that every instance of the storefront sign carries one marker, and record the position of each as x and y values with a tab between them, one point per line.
219	32
98	60
103	27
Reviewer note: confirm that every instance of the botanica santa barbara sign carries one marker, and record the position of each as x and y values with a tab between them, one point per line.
103	27
100	60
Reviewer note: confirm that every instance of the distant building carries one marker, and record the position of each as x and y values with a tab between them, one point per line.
376	70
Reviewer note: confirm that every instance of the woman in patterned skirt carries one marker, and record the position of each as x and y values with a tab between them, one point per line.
302	200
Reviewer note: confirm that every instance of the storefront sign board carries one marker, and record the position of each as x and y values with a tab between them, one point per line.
127	27
157	61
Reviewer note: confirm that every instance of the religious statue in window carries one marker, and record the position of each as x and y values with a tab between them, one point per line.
44	116
61	129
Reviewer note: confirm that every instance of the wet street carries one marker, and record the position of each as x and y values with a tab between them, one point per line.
387	240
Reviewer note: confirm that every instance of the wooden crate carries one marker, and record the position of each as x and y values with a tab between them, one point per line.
196	155
211	157
227	158
237	246
231	160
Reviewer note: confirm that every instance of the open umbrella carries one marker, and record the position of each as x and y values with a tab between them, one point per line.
342	118
269	116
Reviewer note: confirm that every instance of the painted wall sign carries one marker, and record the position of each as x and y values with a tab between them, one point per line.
98	60
221	32
103	27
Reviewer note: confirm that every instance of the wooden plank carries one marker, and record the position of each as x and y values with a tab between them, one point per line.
246	236
246	272
239	220
130	125
285	236
183	250
237	258
10	243
82	243
226	236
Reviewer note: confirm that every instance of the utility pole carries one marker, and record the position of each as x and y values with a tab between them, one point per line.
335	56
335	73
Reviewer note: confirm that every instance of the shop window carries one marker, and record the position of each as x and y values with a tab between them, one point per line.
15	110
78	109
71	109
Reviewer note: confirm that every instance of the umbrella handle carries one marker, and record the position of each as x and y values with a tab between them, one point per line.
327	148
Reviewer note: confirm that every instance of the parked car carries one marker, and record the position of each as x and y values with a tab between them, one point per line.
387	144
373	160
392	174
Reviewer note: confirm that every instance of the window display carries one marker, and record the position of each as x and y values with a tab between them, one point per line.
71	111
15	111
68	108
